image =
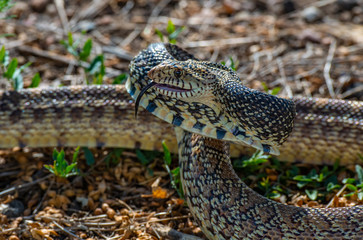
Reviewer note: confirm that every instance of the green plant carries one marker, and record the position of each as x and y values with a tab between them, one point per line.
120	78
231	63
172	32
60	167
325	181
174	173
271	190
13	73
88	155
273	91
253	163
95	69
5	5
256	167
355	186
113	157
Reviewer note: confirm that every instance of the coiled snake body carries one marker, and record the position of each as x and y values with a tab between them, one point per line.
222	204
190	94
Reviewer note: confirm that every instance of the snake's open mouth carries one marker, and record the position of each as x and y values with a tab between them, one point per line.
171	88
160	86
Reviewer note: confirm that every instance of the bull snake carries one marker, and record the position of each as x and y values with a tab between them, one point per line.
204	100
224	207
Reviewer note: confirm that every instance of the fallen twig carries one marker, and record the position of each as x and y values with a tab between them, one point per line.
222	42
110	72
283	77
168	232
62	15
329	59
25	185
65	230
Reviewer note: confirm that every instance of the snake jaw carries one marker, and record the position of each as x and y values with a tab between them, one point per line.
174	80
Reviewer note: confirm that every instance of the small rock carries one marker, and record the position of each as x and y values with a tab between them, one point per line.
39	5
346	5
312	14
289	6
86	26
14	209
19	9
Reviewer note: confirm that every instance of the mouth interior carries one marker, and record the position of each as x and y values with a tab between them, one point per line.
160	86
171	88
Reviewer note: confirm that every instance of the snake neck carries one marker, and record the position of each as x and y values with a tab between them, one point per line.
258	119
226	208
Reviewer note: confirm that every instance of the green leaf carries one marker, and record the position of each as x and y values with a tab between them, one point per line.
349	194
69	168
70	39
176	171
2	54
274	195
170	28
302	178
359	171
5	5
161	36
11	68
360	195
60	156
302	184
75	155
351	187
18	80
90	160
35	81
86	51
120	78
312	194
294	171
348	181
98	79
50	168
232	64
60	159
141	157
95	65
331	186
275	91
24	66
167	155
265	87
313	174
55	154
176	33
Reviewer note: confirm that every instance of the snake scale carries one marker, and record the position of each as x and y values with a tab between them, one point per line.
222	204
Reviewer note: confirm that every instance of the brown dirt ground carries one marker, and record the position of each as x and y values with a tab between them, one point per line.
273	41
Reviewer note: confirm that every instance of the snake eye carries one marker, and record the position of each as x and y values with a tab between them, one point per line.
177	73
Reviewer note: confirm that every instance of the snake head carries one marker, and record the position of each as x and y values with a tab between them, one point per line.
207	98
187	80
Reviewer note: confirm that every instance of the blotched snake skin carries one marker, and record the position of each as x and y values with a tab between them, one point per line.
225	208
